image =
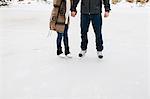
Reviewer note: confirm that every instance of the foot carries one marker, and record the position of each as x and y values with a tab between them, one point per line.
67	50
69	55
59	51
99	54
82	53
62	55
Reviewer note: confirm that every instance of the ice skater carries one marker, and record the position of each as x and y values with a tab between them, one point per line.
91	11
59	22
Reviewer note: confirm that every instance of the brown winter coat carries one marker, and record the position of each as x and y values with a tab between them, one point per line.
57	20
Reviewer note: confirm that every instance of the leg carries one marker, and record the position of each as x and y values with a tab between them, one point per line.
66	44
97	26
59	38
85	21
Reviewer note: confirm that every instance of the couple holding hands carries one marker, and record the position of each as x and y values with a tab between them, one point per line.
91	11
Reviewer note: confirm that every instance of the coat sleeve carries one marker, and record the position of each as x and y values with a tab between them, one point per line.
53	18
74	5
54	14
106	5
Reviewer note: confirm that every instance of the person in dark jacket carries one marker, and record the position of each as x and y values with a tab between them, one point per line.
91	11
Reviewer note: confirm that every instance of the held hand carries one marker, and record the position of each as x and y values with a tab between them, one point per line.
106	14
73	13
53	27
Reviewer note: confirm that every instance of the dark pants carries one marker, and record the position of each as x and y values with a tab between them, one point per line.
97	26
65	39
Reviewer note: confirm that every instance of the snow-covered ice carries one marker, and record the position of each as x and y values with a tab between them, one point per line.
30	69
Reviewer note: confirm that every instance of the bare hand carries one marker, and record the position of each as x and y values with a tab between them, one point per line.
52	26
73	13
106	14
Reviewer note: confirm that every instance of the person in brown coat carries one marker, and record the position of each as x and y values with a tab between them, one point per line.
59	22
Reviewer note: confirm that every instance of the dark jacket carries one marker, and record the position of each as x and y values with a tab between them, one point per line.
91	6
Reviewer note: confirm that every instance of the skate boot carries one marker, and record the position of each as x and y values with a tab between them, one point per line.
67	53
60	53
82	53
99	54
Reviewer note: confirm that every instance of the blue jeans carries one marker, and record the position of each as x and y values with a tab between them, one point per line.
65	39
97	26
